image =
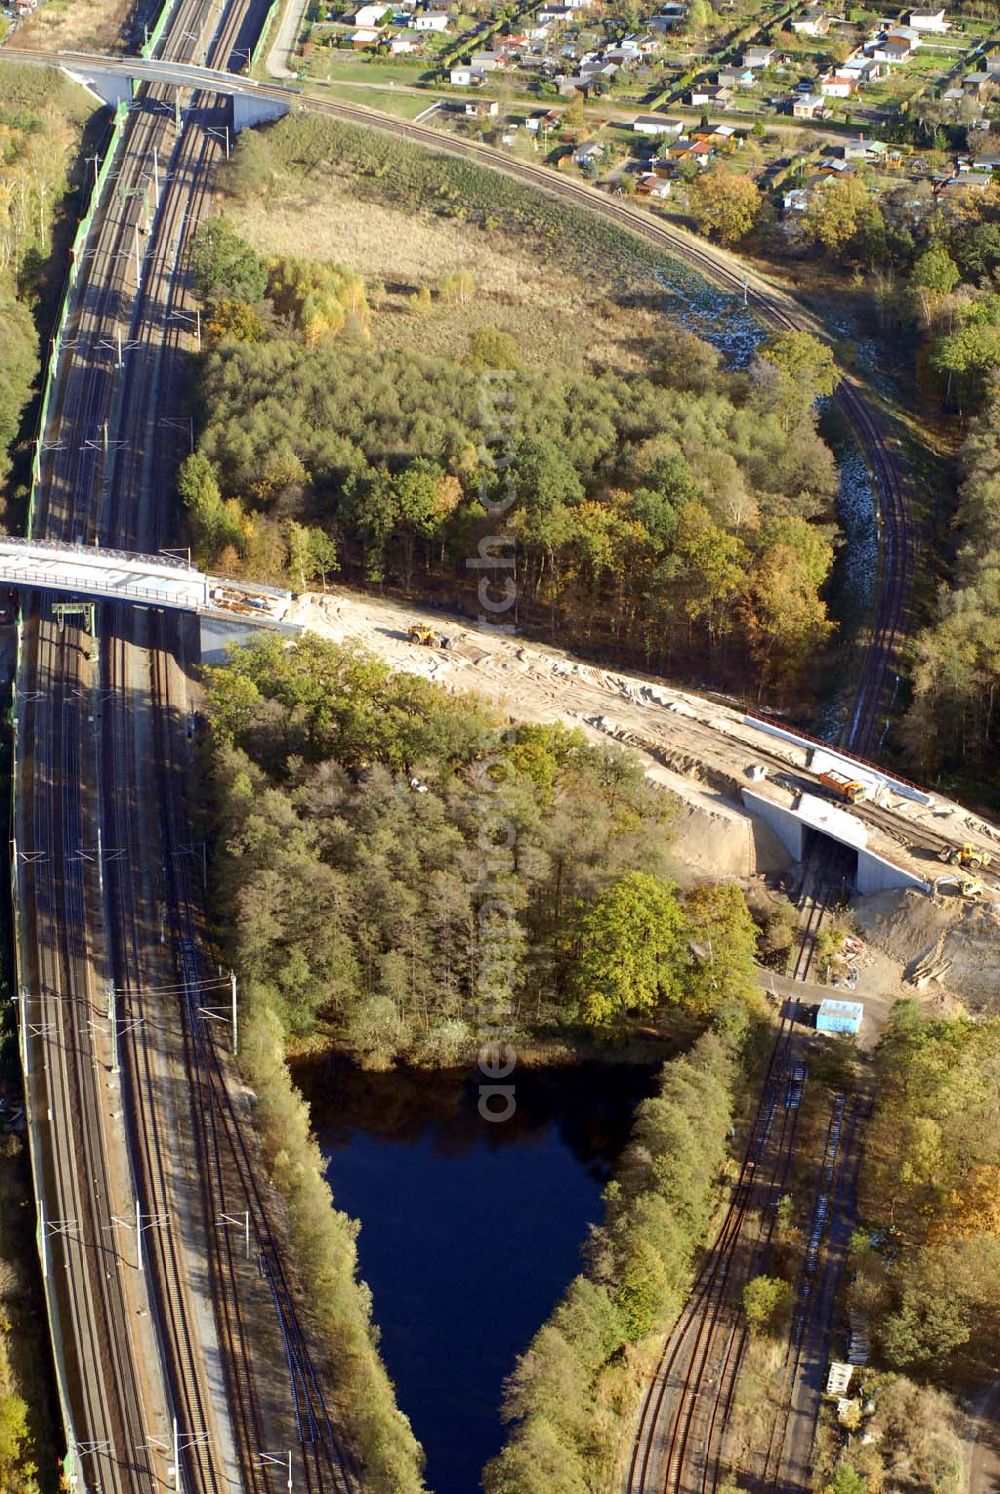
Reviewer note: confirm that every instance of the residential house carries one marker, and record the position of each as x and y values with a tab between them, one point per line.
558	14
928	20
896	45
734	76
837	86
833	166
542	120
966	181
796	201
979	85
652	185
760	57
715	95
864	150
588	154
862	69
668	20
656	124
432	20
466	77
369	15
807	106
813	21
364	38
403	42
488	62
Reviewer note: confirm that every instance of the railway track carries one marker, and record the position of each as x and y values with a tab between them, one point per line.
127	1395
682	1415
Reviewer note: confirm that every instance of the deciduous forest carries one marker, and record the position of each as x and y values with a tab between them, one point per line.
929	1267
377	839
675	517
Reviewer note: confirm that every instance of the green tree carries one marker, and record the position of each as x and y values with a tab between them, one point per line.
804	359
215	523
490	348
846	1481
631	951
935	270
225	266
312	554
724	204
767	1303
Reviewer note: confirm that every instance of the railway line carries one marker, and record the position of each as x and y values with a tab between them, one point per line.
141	1401
682	1416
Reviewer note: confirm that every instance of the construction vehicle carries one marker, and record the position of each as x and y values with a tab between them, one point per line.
969	856
964	886
853	790
427	636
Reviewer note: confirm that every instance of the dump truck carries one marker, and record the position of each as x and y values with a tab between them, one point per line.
427	636
852	790
969	856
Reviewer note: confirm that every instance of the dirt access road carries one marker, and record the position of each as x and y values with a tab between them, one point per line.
700	749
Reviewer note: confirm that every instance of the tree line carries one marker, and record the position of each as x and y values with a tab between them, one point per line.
671	516
954	721
353	812
928	1262
39	134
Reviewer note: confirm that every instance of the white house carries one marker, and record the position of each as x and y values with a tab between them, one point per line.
796	201
759	56
465	77
589	154
365	36
807	106
370	15
651	185
928	20
813	21
403	41
656	124
836	86
431	21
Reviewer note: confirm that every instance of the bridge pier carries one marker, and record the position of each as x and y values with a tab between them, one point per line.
110	87
251	110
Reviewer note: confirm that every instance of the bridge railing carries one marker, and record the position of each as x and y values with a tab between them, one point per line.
172	563
125	591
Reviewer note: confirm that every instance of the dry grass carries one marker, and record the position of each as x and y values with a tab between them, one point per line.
557	317
72	25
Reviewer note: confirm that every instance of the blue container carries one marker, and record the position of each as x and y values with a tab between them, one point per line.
839	1016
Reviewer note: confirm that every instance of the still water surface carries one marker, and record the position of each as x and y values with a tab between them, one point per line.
470	1231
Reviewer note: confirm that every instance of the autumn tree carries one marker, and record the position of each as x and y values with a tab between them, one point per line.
767	1303
724	204
834	213
631	952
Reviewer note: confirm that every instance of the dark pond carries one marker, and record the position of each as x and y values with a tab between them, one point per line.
470	1230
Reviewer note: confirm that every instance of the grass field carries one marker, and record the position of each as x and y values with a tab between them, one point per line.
570	294
387	100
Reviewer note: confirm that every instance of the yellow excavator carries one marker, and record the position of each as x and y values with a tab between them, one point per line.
969	856
427	636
